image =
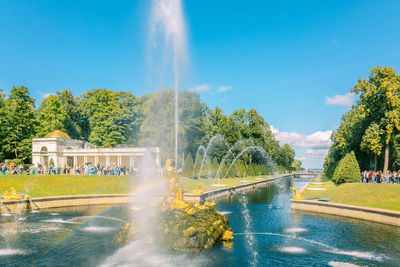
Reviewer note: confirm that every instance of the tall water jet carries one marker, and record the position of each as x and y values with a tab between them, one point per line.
167	21
201	148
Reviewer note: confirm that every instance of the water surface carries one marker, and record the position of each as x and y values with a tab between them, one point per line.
267	232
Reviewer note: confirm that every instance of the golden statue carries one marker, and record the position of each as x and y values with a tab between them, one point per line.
227	235
198	190
200	207
170	171
174	189
297	195
190	211
209	204
13	195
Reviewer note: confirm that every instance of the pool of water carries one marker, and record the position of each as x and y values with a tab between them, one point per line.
267	232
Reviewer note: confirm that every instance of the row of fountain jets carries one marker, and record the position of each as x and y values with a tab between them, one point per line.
219	139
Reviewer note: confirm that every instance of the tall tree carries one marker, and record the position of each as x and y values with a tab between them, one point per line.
379	98
19	124
75	125
158	128
286	156
51	116
372	142
102	110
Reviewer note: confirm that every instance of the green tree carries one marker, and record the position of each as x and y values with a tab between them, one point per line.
250	170
241	168
285	156
51	116
214	165
379	99
188	165
371	141
297	165
219	123
19	124
102	110
348	170
158	127
75	124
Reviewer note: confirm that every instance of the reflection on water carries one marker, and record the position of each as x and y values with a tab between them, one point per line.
267	232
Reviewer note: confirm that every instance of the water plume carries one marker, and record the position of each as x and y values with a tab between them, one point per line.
167	29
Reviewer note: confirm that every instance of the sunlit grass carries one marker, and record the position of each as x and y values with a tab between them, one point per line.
63	185
384	196
189	184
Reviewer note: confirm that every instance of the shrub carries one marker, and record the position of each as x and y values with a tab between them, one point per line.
347	171
329	167
188	165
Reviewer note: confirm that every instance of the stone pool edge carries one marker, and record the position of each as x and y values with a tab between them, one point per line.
104	199
385	216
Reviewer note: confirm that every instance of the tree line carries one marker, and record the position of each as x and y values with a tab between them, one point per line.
109	118
371	129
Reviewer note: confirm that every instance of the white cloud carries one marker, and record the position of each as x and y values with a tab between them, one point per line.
318	139
313	158
201	88
340	100
224	88
317	145
207	87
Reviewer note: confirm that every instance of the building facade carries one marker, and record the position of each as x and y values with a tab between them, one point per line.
59	149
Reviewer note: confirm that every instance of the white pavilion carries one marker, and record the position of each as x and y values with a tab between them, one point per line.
59	147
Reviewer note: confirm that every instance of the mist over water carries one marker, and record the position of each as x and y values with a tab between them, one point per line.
169	46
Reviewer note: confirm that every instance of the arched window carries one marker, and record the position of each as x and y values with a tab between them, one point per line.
44	149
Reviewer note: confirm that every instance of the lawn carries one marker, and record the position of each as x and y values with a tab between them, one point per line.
189	184
64	185
384	196
59	185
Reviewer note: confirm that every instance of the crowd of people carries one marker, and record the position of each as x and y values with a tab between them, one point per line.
379	177
92	169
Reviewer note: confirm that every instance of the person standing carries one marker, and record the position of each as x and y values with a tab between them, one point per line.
3	168
32	169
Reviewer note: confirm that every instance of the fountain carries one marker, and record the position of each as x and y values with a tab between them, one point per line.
230	151
214	139
167	24
182	225
201	148
249	148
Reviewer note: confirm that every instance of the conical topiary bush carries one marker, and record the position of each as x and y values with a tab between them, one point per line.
348	170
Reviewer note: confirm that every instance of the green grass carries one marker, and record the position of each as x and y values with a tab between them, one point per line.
384	196
64	185
189	184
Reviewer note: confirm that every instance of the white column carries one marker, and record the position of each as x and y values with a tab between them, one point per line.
107	161
84	159
96	160
75	161
119	160
131	161
158	159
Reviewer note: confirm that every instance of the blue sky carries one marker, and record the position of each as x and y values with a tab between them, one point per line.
284	58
